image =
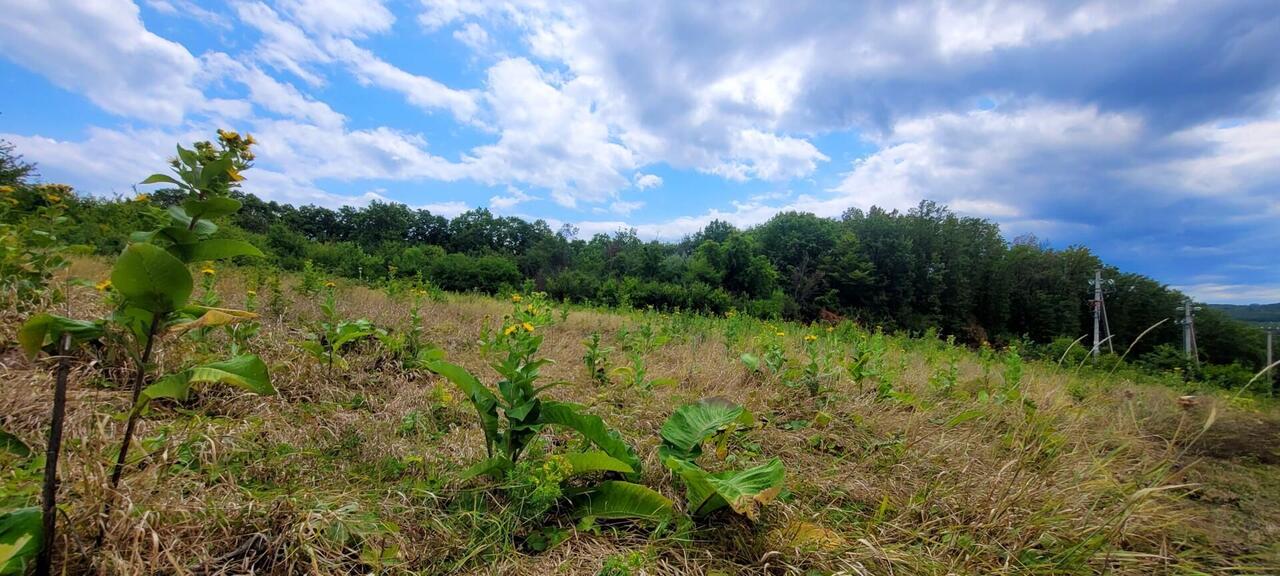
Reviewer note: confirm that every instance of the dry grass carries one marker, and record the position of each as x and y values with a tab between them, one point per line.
307	481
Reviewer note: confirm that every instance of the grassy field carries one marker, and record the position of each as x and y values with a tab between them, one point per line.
941	460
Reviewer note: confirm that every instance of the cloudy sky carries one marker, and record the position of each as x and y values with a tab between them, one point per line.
1149	131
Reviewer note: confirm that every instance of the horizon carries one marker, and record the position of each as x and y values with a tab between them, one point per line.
1148	132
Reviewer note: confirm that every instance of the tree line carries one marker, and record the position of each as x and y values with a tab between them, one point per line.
925	268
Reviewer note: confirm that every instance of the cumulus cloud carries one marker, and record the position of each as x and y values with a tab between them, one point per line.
551	137
102	50
646	181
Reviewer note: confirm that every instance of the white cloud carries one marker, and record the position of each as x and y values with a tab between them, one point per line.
420	91
347	18
102	49
646	181
274	95
284	44
473	36
551	137
991	163
758	155
1230	293
446	209
513	198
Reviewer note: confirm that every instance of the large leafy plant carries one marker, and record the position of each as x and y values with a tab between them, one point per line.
512	413
715	419
333	333
151	286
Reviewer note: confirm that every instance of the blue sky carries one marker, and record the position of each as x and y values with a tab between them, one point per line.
1146	130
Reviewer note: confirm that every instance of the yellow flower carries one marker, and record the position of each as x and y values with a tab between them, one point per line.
329	284
207	271
251	293
142	197
810	337
6	189
104	285
527	327
53	198
248	139
780	334
516	298
510	330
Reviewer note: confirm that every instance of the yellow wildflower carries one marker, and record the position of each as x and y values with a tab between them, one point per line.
104	285
527	327
830	329
6	189
141	197
329	284
251	293
516	298
207	271
53	198
780	334
510	330
810	338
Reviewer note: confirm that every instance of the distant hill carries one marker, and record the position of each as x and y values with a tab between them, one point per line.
1252	313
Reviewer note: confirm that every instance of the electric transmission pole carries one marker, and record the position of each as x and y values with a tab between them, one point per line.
1189	331
1099	314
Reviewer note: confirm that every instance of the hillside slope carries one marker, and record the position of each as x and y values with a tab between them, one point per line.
938	461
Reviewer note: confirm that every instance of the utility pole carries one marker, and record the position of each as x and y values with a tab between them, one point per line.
1097	311
1189	331
1099	314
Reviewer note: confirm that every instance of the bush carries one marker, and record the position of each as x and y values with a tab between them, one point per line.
462	273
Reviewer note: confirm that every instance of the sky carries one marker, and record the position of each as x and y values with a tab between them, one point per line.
1148	131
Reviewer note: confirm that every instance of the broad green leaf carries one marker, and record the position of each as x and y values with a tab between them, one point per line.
495	467
211	207
482	399
743	490
615	499
46	329
699	493
188	157
590	427
13	445
215	249
21	531
161	178
151	278
182	221
213	170
690	425
174	387
246	372
595	461
751	361
746	490
213	317
314	348
349	332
